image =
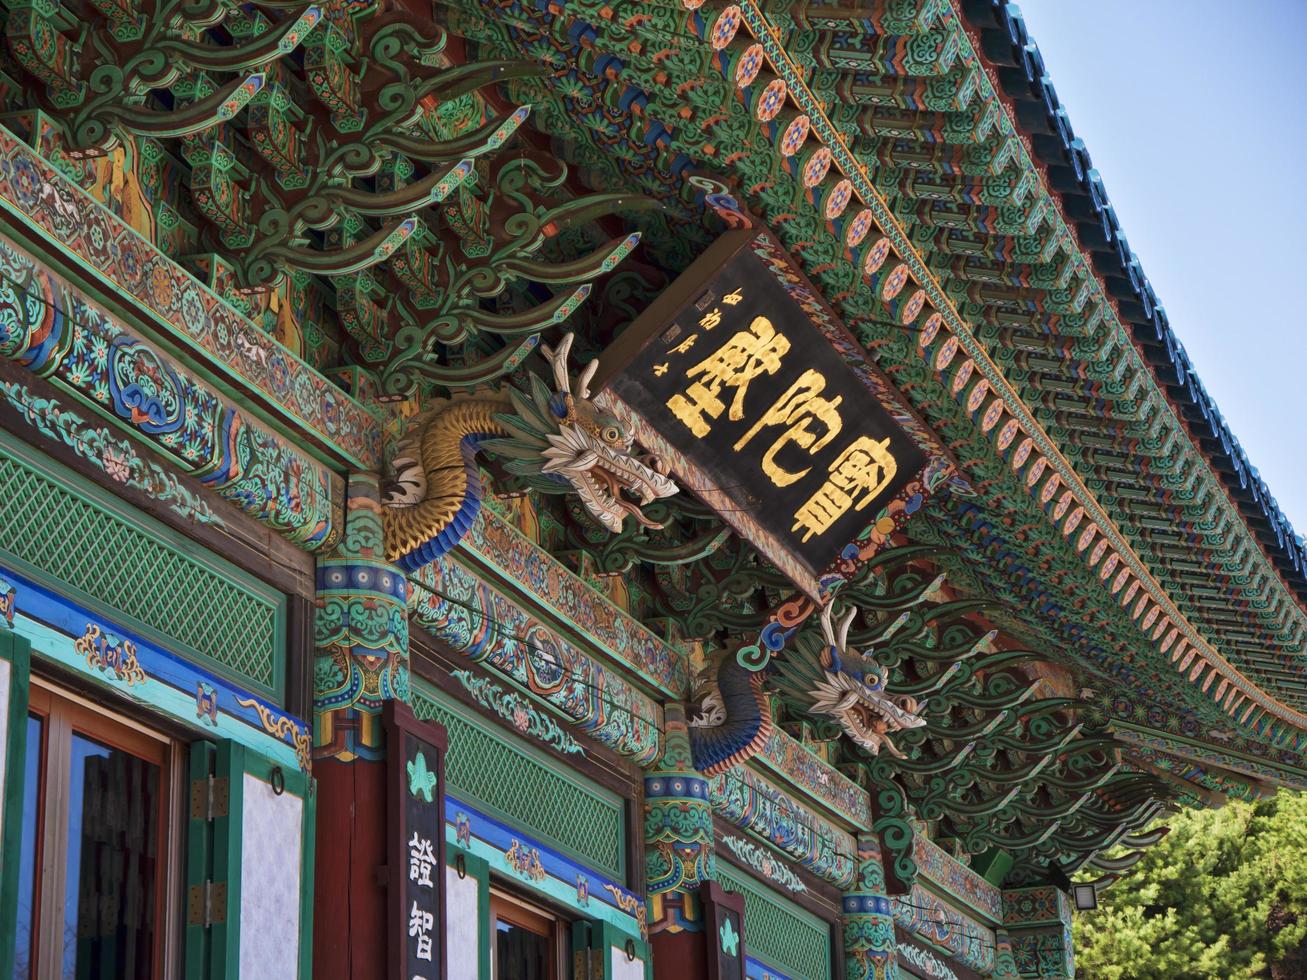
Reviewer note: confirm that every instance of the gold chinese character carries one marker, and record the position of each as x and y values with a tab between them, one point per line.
801	404
711	318
660	369
730	299
744	357
865	467
685	344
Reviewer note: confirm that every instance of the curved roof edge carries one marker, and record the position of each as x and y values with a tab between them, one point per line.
1006	43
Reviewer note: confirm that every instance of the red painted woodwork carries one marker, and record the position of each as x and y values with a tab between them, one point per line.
349	901
679	955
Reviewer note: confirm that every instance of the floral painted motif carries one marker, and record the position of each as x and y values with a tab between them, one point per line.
49	201
118	458
56	332
519	712
773	97
498	544
766	864
484	625
787	756
525	861
107	653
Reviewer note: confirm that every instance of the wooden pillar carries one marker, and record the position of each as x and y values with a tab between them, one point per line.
868	919
679	855
361	636
1037	922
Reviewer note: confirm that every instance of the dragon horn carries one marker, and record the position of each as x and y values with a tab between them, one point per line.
827	629
845	624
557	359
583	382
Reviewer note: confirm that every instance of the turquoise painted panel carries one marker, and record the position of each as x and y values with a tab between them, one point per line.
521	786
117	659
61	530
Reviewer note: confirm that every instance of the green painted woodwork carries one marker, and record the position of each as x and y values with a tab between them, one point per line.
514	782
599	942
199	857
308	868
778	931
979	159
217	832
969	213
81	541
1011	266
416	287
15	655
225	869
993	865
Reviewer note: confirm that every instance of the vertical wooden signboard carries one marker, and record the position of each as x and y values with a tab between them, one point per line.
723	917
416	877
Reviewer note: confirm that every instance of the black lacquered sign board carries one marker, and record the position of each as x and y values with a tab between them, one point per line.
416	845
731	370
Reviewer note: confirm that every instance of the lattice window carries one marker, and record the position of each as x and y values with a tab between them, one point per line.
78	542
780	932
489	770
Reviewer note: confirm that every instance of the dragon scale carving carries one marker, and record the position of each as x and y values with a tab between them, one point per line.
558	441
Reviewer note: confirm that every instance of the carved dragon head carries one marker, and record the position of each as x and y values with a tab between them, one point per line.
557	441
852	691
562	440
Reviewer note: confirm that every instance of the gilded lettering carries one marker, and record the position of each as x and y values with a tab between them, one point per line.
796	409
747	355
857	477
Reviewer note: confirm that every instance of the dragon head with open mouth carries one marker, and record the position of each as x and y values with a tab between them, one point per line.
852	692
592	450
558	441
562	440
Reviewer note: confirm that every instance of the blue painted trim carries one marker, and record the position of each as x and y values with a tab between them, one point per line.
757	970
561	874
54	623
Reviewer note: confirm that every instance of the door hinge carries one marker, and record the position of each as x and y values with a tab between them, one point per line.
206	904
209	797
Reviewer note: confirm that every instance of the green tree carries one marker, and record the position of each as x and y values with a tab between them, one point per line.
1224	894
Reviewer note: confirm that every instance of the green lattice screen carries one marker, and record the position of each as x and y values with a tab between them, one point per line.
492	770
779	931
77	539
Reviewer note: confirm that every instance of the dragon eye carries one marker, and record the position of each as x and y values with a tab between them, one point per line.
612	434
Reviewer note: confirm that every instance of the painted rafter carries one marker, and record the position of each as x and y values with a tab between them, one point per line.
731	55
437	264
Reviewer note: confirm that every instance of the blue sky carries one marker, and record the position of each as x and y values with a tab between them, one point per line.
1194	114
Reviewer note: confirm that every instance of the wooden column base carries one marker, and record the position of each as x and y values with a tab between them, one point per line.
349	901
679	955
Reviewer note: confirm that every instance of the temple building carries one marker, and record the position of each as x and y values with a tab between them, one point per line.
599	489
